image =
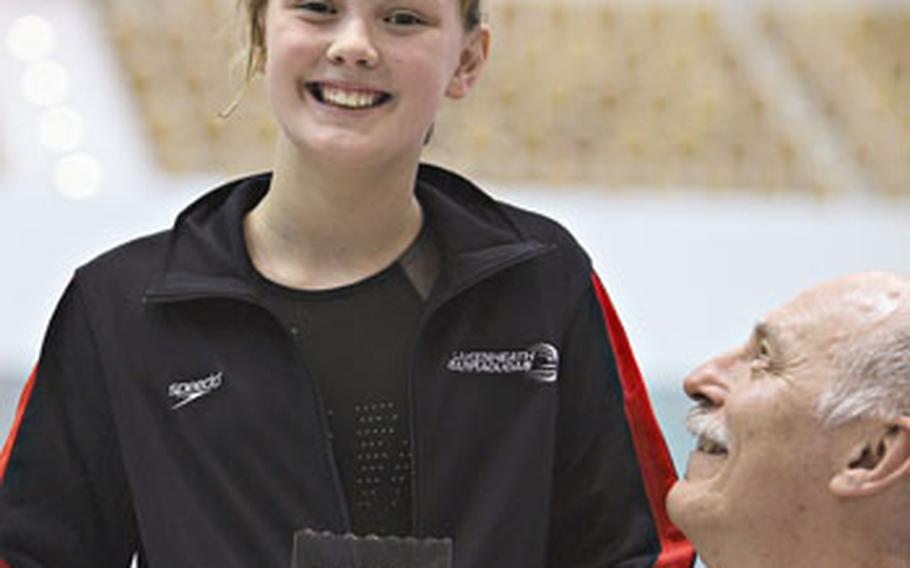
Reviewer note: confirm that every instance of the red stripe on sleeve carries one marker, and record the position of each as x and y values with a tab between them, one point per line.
11	439
3	564
654	459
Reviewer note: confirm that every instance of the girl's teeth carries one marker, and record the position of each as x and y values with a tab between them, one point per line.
349	99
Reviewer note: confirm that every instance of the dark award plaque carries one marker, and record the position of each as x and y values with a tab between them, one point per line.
326	550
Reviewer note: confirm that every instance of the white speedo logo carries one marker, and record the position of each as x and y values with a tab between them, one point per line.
539	362
189	391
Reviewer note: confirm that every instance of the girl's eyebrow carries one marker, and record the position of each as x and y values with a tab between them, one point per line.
430	2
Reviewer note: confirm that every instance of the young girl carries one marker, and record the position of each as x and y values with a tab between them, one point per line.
354	343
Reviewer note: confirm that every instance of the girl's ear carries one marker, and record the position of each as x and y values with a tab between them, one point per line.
473	56
879	462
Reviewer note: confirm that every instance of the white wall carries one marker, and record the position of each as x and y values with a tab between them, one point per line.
691	274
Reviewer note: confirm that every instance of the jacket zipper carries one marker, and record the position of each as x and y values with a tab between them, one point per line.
327	439
431	310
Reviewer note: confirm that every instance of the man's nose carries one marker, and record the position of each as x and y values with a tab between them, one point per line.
711	381
353	45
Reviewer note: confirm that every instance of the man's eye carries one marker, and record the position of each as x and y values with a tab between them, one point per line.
764	350
762	357
404	18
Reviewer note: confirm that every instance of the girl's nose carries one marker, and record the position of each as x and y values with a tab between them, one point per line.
353	45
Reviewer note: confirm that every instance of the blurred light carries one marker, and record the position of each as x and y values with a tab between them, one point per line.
60	129
45	83
30	38
78	176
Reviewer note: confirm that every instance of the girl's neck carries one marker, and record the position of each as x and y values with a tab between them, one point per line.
324	226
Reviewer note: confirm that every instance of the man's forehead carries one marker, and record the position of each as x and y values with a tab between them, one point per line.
840	307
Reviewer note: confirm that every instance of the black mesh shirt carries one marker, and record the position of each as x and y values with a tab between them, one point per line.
357	342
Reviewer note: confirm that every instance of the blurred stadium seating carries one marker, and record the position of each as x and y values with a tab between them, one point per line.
606	94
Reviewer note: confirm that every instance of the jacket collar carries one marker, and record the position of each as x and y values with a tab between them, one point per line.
207	255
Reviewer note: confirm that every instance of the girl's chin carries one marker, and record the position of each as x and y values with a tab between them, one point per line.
353	149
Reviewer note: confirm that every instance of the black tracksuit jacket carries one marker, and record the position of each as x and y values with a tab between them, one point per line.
525	460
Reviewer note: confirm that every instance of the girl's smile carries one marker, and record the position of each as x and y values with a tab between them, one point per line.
346	96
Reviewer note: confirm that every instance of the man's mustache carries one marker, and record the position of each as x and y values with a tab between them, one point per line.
703	421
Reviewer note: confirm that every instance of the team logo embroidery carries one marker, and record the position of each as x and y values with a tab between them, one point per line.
187	392
539	362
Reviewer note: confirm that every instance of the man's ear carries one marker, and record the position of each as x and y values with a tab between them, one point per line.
880	461
473	56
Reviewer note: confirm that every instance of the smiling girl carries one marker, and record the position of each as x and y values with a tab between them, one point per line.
353	343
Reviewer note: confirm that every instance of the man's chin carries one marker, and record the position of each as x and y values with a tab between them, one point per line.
702	466
692	506
676	503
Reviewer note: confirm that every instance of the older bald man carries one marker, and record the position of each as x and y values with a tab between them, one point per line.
803	455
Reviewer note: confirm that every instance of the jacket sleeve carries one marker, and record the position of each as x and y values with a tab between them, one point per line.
64	500
613	470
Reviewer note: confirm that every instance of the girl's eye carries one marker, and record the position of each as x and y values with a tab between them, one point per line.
321	8
404	18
